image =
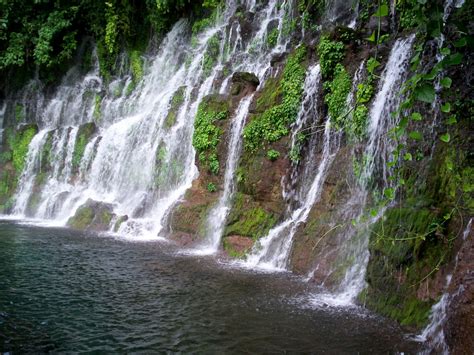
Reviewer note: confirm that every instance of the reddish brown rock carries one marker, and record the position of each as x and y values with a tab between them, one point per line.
236	245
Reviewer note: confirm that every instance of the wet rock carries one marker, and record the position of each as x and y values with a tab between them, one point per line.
237	246
93	215
460	322
244	83
174	106
119	222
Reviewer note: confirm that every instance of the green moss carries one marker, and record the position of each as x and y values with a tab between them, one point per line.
19	113
97	107
406	247
18	144
83	137
119	222
270	95
211	55
228	247
273	124
272	37
136	66
357	126
273	154
206	133
248	220
82	219
174	106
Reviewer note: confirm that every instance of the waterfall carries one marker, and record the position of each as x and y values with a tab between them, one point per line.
130	125
218	214
133	160
256	60
433	334
378	150
273	250
2	117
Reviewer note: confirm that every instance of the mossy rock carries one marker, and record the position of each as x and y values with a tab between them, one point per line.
270	95
208	131
119	222
237	246
84	135
241	80
248	219
174	106
93	215
407	247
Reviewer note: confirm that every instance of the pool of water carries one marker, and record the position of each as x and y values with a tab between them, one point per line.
68	291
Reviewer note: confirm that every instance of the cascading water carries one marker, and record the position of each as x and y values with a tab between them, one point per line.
433	335
218	215
131	123
129	127
377	152
254	59
273	250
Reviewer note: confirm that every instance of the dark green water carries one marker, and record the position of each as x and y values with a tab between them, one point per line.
66	291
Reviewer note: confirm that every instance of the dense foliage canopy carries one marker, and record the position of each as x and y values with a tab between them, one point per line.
47	33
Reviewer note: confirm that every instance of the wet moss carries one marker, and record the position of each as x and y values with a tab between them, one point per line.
247	220
174	106
84	134
82	218
119	222
233	252
93	215
19	142
407	247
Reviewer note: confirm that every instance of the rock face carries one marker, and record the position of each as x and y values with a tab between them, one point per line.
460	322
188	220
237	246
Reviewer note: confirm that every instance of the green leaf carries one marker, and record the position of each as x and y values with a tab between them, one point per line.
371	38
445	137
372	63
453	59
446	107
451	120
389	193
408	157
382	11
416	116
461	42
403	122
415	135
373	212
445	51
425	93
446	82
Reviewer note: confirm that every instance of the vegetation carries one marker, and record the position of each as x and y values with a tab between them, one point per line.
48	33
206	132
274	123
18	143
